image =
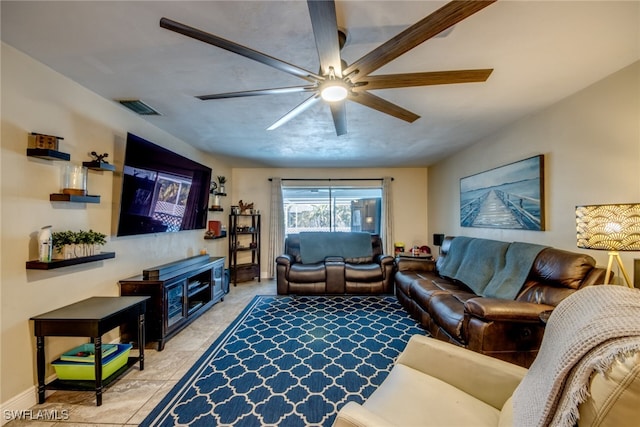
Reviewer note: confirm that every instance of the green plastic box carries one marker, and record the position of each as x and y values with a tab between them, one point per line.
67	370
85	353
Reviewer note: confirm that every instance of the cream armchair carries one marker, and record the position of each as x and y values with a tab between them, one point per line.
434	383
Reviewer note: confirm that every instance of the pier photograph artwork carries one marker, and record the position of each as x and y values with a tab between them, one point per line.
509	196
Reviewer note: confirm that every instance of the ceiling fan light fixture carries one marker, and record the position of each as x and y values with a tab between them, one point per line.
334	91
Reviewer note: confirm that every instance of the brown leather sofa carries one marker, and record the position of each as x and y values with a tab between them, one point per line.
508	329
337	273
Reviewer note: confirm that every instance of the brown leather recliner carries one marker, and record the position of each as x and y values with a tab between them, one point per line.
335	275
510	330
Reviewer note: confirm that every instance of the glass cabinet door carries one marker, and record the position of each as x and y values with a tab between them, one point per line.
175	303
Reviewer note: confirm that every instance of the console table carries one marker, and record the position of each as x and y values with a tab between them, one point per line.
92	317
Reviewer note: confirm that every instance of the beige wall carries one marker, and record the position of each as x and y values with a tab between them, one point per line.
591	143
409	191
36	99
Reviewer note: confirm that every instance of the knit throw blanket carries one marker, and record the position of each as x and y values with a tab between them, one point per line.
585	334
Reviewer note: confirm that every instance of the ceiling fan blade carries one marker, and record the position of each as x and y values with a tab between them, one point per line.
369	100
443	18
339	113
390	81
239	49
325	31
297	110
258	92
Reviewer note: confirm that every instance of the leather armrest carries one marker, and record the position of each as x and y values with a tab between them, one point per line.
355	415
489	379
383	259
406	264
285	260
505	310
333	260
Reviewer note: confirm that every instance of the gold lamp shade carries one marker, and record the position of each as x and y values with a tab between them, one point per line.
609	227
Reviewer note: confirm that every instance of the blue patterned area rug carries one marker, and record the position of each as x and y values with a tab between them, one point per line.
290	361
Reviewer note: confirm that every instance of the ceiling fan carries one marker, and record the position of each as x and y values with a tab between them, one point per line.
336	81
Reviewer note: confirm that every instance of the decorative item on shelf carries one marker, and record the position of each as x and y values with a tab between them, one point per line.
100	158
215	228
74	180
613	228
215	204
398	247
235	210
48	142
45	244
71	244
245	208
222	180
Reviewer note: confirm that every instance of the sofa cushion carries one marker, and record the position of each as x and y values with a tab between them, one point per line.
448	312
307	273
362	272
413	398
544	294
561	268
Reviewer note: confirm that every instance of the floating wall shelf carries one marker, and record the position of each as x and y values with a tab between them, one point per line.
58	263
47	154
215	237
61	197
99	166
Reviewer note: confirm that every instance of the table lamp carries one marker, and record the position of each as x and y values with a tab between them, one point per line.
612	228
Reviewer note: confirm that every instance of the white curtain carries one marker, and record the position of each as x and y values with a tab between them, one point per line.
276	227
386	227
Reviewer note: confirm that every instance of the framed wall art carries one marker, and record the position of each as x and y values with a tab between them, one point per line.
509	196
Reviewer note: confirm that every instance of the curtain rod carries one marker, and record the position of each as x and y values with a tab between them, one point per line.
331	179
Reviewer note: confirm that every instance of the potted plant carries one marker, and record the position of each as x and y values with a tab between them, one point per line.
72	244
221	182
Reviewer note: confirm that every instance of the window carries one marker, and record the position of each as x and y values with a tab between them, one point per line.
332	209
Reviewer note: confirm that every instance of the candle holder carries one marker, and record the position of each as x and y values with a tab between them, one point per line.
74	180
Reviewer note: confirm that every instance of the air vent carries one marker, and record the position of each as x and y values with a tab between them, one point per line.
138	107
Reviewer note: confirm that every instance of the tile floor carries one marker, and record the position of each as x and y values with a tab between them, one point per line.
129	400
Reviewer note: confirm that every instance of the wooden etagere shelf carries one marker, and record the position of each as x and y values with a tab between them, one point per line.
244	236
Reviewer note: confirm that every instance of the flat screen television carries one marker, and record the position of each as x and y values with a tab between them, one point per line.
161	191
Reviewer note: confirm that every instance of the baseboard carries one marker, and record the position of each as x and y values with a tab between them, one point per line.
21	404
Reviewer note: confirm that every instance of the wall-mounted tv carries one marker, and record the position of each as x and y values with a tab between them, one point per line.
161	191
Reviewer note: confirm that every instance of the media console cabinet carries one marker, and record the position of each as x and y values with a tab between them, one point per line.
180	292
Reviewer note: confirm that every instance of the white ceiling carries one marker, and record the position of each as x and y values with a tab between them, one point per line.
541	52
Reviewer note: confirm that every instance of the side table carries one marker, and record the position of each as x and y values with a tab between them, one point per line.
408	262
92	317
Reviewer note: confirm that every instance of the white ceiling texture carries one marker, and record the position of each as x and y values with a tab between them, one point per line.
541	52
